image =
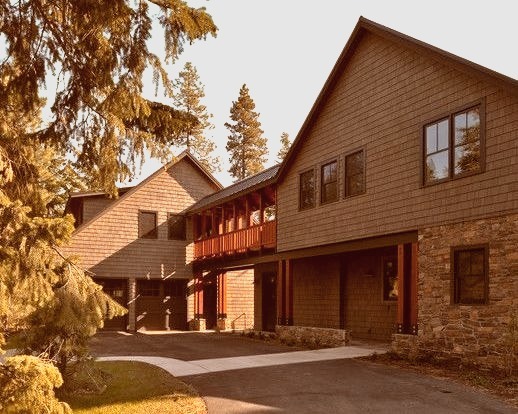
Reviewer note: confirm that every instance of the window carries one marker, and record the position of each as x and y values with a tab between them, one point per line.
307	190
147	225
453	146
470	275
389	274
176	227
329	183
354	174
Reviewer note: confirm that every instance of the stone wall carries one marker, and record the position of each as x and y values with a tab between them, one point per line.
480	334
312	337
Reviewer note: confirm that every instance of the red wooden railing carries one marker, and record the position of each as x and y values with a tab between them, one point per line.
239	241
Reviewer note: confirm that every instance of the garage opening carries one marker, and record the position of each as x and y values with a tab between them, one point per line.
117	289
161	304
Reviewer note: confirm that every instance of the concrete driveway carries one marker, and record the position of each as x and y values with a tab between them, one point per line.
238	375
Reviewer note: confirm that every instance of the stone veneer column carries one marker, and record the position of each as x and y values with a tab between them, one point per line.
132	293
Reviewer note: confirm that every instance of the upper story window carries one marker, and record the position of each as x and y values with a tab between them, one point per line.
147	225
176	227
329	183
470	275
453	145
355	173
307	190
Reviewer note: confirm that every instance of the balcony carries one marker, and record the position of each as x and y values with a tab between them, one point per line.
254	238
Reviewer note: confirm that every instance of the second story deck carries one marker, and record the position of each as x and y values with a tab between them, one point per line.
238	220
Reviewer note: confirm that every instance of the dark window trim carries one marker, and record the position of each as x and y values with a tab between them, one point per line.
169	236
453	250
153	236
364	172
312	169
325	164
450	116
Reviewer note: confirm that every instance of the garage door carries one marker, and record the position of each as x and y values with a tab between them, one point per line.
118	290
161	305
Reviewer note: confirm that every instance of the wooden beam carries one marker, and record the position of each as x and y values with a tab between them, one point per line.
401	288
289	292
280	294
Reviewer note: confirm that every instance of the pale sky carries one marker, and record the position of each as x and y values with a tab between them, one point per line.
285	49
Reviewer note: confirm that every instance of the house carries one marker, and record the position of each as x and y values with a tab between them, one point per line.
397	204
139	246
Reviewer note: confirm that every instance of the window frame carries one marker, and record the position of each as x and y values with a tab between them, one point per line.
450	116
322	166
364	172
453	279
184	219
301	207
154	232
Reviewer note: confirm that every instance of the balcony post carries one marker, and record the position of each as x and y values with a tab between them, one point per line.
203	225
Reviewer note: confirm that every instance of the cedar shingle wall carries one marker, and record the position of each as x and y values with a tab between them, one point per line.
109	246
316	292
92	206
379	103
240	298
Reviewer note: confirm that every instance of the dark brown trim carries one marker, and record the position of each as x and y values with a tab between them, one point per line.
453	290
450	116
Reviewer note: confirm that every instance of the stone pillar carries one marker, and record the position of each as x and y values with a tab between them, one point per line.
132	294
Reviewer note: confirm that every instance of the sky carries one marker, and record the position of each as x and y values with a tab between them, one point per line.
284	51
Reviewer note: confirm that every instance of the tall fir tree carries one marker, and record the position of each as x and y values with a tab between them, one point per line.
100	124
285	147
246	145
188	99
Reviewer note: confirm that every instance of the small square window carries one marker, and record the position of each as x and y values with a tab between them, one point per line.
470	275
307	190
329	183
355	174
147	225
176	227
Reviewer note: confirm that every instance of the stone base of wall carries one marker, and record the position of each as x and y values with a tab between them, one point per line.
197	324
312	337
406	346
221	325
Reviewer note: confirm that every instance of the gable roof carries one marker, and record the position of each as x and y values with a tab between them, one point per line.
367	26
246	185
184	155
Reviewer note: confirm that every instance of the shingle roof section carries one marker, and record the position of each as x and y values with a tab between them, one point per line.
232	191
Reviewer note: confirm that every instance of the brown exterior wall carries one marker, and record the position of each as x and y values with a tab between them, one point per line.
240	299
93	205
259	269
379	103
367	316
109	245
316	292
479	333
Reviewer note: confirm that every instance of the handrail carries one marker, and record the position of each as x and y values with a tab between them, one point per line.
233	322
237	241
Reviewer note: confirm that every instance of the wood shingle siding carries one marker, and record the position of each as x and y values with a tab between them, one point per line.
379	103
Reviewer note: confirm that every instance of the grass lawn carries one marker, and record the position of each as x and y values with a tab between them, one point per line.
136	387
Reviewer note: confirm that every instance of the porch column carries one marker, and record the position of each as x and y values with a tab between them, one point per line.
285	293
222	301
289	292
199	319
281	308
407	288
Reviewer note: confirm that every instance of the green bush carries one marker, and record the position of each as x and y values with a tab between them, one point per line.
27	386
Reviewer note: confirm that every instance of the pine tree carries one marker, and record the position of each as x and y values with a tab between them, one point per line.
246	145
99	126
285	146
188	99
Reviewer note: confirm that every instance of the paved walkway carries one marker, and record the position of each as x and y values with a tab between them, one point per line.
180	368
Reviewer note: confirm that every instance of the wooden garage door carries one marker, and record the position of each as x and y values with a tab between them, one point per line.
118	290
159	302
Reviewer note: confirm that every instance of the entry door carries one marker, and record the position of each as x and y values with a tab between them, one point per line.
269	300
210	302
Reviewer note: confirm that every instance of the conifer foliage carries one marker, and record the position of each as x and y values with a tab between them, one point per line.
99	125
285	146
187	98
246	145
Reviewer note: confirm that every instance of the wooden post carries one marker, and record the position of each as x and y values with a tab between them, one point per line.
261	207
198	297
247	212
195	227
414	289
401	288
234	216
289	292
203	225
213	221
222	296
281	316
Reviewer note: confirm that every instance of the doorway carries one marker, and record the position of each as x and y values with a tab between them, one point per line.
210	302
